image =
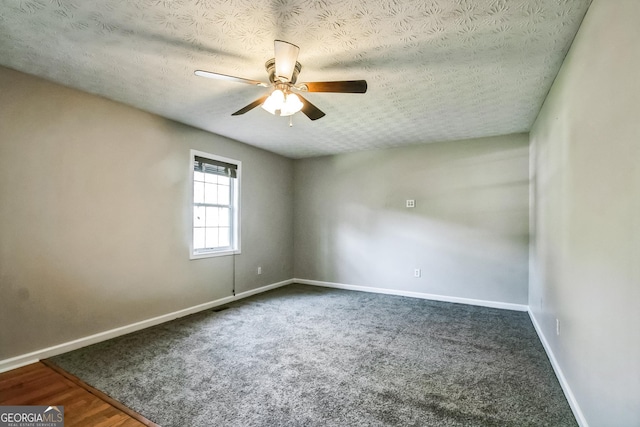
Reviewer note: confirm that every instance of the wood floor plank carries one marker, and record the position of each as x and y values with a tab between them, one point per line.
38	390
43	384
18	378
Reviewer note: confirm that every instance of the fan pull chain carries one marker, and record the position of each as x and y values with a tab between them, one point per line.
291	121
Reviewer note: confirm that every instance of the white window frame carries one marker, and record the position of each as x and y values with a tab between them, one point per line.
235	247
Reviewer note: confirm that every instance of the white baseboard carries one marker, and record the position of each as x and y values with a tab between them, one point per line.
573	403
259	290
26	359
434	297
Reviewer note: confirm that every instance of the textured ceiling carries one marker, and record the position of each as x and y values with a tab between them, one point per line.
437	70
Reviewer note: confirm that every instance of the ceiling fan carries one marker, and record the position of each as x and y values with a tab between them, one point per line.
283	72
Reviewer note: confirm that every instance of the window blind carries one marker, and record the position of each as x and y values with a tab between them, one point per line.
202	164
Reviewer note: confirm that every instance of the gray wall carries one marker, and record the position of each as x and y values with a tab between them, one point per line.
95	217
468	232
586	181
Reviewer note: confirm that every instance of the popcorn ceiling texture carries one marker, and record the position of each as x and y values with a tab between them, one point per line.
437	70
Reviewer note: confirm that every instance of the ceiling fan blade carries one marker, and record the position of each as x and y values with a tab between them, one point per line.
286	57
347	86
218	76
310	110
251	106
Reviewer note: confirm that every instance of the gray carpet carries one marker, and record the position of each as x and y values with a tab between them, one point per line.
310	356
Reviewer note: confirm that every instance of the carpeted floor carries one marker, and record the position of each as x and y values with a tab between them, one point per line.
310	356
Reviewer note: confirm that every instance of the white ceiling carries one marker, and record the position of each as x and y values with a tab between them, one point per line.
437	70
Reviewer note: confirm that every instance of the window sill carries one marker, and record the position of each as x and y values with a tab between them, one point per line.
214	254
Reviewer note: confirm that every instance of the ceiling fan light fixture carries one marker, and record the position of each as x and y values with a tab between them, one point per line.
281	104
274	102
285	60
292	105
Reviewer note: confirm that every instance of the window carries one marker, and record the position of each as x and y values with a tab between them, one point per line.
216	186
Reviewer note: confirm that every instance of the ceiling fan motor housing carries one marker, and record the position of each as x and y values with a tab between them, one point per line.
270	65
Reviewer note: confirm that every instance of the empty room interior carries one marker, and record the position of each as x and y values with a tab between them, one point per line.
293	212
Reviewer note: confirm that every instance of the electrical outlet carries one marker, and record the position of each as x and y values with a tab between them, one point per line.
259	270
417	272
557	327
411	203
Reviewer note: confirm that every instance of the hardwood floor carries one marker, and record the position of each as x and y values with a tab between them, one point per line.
39	384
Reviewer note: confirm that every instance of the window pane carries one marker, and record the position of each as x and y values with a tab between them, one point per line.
212	217
223	219
214	211
223	195
198	216
198	238
211	237
198	192
210	194
225	236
